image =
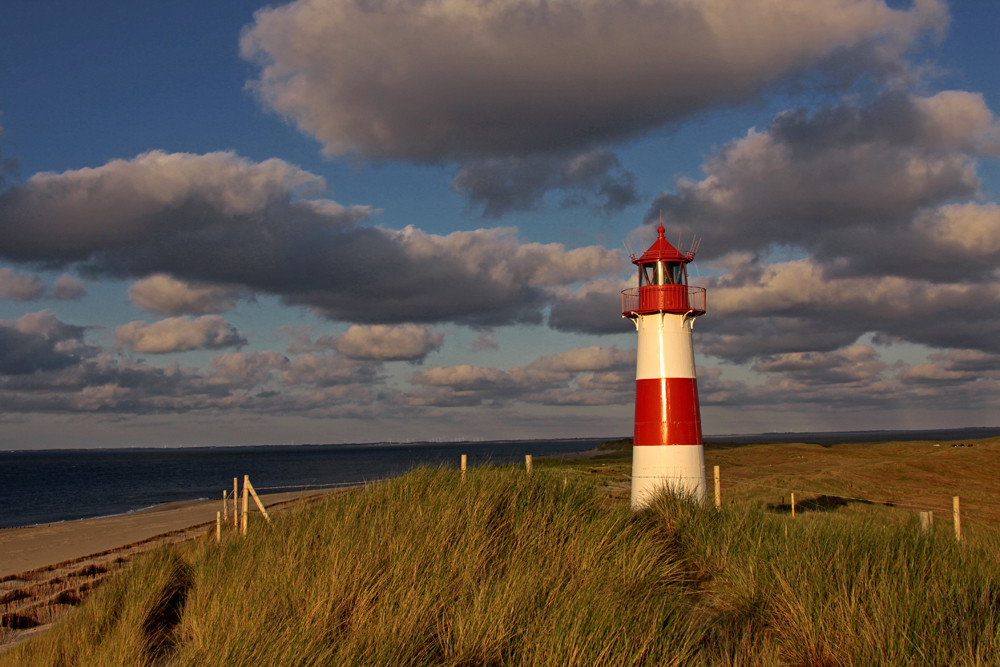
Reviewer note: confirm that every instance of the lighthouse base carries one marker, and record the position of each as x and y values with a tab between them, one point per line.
680	468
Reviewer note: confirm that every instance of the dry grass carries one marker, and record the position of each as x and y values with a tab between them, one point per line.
512	569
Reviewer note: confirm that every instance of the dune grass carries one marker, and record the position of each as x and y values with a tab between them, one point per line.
507	568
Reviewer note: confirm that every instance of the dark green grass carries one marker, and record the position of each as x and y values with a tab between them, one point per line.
507	568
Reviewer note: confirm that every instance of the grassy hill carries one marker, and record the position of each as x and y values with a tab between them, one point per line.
551	568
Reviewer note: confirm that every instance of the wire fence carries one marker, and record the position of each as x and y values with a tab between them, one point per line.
924	509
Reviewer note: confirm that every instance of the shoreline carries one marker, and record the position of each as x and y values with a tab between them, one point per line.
48	569
27	548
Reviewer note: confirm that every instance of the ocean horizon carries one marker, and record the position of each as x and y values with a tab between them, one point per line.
50	485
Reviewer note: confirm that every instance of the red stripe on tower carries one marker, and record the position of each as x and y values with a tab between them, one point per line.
666	412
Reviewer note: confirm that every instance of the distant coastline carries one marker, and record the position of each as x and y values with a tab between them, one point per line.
833	437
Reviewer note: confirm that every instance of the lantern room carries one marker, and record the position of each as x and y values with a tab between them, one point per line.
663	284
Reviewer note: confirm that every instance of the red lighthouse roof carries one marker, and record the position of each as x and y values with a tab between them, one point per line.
662	250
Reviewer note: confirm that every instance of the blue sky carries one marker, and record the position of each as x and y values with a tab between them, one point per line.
337	221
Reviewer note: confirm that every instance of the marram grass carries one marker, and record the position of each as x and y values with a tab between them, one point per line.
507	568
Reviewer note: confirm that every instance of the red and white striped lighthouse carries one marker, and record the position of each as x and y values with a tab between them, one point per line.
667	450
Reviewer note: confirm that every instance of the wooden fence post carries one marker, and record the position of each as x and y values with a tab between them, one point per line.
527	462
225	508
218	526
718	489
256	499
793	505
236	509
464	461
958	518
927	520
246	501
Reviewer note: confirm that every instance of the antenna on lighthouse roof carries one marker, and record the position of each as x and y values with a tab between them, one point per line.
628	247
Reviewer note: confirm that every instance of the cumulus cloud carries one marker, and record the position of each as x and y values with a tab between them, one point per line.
20	286
795	306
583	376
593	358
379	342
955	367
221	220
856	363
437	80
68	288
326	370
179	334
502	185
39	342
846	182
165	295
594	307
246	368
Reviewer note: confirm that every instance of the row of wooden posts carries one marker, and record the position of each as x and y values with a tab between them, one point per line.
465	461
240	516
926	518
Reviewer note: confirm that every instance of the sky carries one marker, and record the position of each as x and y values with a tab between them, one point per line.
329	221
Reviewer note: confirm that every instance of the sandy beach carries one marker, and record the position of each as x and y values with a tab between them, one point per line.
34	547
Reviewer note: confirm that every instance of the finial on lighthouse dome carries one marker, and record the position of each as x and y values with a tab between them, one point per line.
663	250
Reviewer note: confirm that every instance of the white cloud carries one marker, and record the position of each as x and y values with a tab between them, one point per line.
165	295
445	79
223	224
178	334
403	342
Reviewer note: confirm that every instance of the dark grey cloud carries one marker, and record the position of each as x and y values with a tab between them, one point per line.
443	80
864	188
501	185
219	220
852	381
794	306
593	308
38	342
45	367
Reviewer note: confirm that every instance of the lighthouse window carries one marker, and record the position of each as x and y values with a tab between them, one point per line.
663	273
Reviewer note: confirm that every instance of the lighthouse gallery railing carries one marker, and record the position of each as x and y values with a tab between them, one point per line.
668	298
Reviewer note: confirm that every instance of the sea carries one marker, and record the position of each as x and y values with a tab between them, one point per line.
47	486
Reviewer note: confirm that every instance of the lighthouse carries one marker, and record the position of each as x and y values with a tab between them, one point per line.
667	450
